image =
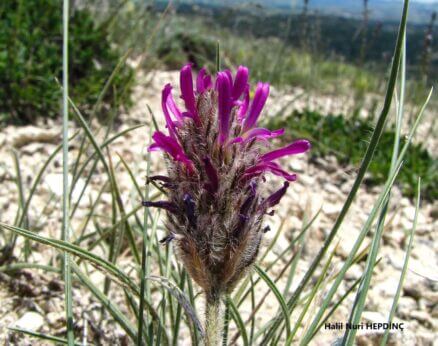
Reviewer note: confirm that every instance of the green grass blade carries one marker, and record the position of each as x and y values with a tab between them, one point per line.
239	322
8	252
109	81
252	319
41	336
182	299
91	210
218	56
127	226
65	192
226	321
132	176
177	323
278	295
19	183
405	265
194	332
143	248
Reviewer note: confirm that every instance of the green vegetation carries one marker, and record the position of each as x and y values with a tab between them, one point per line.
347	139
31	55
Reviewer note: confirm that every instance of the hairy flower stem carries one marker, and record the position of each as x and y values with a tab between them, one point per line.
213	320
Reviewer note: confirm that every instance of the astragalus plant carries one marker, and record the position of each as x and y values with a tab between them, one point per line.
217	159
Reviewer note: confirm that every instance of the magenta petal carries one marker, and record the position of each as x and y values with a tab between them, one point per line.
269	167
172	147
240	82
297	147
170	102
262	133
224	105
200	81
187	94
229	76
235	140
154	147
207	82
275	198
164	102
282	173
244	105
203	81
260	97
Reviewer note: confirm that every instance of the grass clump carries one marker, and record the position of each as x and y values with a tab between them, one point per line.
346	138
30	52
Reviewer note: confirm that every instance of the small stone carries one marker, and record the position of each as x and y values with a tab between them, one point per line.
331	209
55	183
30	321
347	238
354	272
422	317
374	316
55	319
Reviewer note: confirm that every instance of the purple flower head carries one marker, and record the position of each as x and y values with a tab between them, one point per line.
217	162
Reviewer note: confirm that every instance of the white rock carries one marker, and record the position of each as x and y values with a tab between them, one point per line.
54	181
30	321
331	209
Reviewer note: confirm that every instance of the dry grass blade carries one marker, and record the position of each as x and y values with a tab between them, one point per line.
182	299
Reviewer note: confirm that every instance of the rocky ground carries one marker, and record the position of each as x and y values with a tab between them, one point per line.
33	299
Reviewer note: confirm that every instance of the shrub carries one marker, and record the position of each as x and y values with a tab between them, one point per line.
31	58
